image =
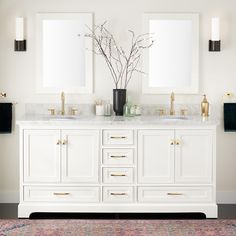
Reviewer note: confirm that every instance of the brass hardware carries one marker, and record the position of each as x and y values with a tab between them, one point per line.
172	142
3	95
172	99
58	142
177	142
174	194
118	156
62	112
118	175
52	111
117	137
74	111
229	95
183	112
61	194
64	142
118	194
161	112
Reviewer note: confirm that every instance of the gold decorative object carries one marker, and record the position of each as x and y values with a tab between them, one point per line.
204	107
172	99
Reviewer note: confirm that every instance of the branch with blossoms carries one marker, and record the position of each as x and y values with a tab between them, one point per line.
122	65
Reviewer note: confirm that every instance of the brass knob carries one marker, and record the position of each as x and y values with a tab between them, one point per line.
52	111
172	142
58	142
64	142
177	142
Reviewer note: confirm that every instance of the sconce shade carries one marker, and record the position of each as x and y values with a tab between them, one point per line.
214	43
19	29
215	29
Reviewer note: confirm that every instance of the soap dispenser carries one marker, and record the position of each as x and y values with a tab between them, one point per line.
204	107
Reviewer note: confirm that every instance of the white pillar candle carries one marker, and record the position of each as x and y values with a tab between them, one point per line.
215	29
19	28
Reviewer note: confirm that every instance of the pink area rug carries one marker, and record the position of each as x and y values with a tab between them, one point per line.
118	227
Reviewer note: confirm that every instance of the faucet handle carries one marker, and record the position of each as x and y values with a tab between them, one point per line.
52	111
183	112
74	111
3	94
161	112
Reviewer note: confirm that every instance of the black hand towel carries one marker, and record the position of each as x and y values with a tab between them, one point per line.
5	117
230	117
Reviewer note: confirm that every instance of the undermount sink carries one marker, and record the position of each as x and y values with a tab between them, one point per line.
174	118
63	117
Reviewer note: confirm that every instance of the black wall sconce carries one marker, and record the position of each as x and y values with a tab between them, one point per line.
20	42
214	43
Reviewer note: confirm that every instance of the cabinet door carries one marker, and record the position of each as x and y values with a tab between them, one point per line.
155	156
80	153
194	156
41	156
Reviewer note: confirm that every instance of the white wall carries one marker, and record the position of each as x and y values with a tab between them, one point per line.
17	69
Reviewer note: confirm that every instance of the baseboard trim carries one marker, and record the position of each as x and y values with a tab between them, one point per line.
222	197
226	197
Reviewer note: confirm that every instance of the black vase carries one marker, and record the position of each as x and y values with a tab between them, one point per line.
119	100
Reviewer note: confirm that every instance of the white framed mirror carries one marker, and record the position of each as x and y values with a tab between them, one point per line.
172	63
64	55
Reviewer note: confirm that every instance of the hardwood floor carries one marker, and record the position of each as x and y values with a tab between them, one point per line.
226	211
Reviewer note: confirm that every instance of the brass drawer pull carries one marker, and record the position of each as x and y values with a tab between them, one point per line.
118	175
118	156
118	194
61	194
174	194
118	137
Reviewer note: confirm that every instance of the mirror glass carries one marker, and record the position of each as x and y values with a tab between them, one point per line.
171	64
64	58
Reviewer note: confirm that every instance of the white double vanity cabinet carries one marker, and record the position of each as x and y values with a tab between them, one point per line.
123	166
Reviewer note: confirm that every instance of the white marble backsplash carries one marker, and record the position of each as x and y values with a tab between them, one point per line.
89	109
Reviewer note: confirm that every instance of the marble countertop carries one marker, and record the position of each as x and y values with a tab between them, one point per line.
118	120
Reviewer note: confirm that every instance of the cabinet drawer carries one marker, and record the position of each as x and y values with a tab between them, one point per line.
61	194
118	175
174	194
118	137
118	194
118	156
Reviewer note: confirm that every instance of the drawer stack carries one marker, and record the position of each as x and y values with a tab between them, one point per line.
118	166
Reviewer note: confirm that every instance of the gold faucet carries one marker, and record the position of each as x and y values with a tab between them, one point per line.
62	112
172	99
